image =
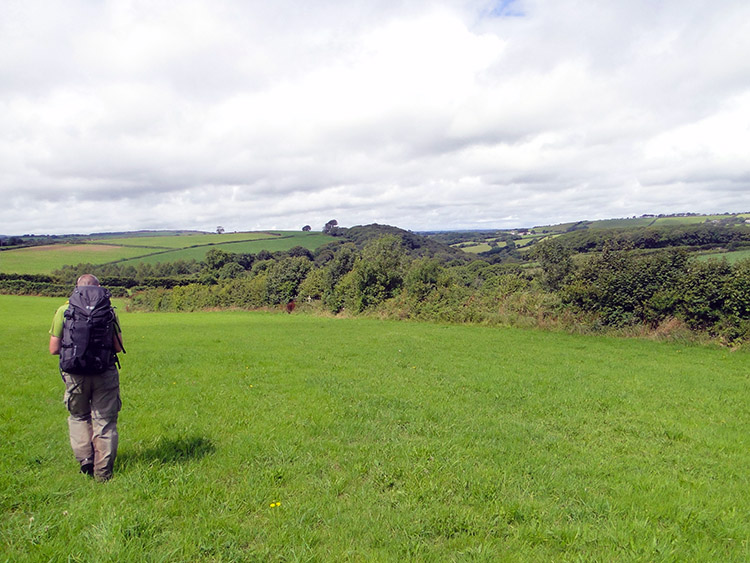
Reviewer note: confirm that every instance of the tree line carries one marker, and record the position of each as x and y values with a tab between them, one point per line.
621	285
616	288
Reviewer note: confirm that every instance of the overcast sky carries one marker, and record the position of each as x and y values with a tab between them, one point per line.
426	114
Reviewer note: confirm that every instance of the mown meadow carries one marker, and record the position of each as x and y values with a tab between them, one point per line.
249	436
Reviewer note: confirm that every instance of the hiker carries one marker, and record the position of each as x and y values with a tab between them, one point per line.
86	335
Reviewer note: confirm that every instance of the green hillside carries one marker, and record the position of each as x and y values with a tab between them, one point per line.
158	247
180	241
311	241
45	259
495	244
643	221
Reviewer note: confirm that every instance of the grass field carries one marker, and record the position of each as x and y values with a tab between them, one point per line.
652	221
555	229
45	259
639	222
274	437
310	241
623	223
151	249
528	239
183	241
476	248
730	257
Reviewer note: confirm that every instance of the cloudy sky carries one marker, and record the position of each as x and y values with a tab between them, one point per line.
424	114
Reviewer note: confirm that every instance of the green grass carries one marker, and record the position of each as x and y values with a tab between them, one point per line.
622	223
476	248
46	259
310	241
558	229
668	221
528	239
145	234
637	222
382	441
731	257
183	241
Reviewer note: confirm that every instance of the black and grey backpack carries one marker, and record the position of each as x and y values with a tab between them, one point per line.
89	329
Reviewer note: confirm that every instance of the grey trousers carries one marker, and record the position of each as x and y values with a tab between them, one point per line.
93	402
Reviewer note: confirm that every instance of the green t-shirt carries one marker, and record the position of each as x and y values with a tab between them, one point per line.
57	322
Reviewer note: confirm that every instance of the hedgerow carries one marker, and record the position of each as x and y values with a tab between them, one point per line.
619	288
23	287
614	289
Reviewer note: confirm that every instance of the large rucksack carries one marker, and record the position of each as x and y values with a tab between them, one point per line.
88	332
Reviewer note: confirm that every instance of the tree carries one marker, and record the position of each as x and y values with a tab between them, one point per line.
422	277
556	262
330	226
378	272
300	251
316	285
284	277
230	270
220	230
342	262
10	241
306	228
216	258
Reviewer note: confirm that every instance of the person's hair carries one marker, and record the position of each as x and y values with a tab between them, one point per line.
87	279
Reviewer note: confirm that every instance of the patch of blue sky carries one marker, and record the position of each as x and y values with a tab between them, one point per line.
507	9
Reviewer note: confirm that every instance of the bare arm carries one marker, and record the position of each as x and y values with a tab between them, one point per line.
118	343
54	345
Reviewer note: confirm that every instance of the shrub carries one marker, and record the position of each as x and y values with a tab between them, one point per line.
316	285
284	278
230	270
244	293
703	293
625	288
737	291
556	262
377	274
422	278
22	287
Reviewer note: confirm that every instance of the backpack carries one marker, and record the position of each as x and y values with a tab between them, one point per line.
89	327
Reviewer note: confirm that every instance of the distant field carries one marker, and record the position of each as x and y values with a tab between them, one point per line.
561	228
148	234
45	259
637	222
667	221
622	223
182	241
657	221
730	257
151	249
528	239
274	437
310	241
483	245
475	248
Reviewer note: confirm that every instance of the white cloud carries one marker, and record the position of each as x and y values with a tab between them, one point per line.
715	147
443	114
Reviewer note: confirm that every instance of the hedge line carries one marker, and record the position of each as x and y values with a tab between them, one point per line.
44	289
23	287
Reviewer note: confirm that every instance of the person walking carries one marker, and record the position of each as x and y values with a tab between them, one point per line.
86	334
